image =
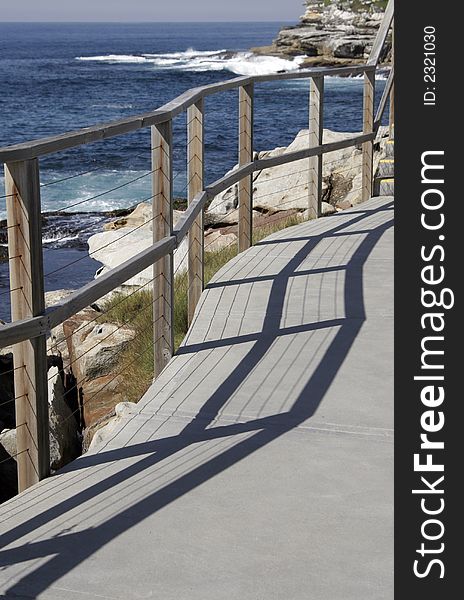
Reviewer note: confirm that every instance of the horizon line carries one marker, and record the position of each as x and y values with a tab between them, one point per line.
147	21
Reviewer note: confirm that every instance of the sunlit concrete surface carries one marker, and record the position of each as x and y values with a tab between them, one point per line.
260	463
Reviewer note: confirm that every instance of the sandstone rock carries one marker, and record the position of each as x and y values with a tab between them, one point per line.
215	240
55	297
99	349
112	248
56	343
286	186
95	350
327	209
225	214
343	204
107	249
141	215
123	410
93	347
8	441
336	32
99	397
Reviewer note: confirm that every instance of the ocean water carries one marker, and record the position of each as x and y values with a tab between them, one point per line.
60	77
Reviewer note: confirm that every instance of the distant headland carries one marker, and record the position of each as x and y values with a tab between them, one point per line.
331	32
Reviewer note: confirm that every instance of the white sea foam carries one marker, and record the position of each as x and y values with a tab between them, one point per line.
380	75
113	106
240	63
59	238
114	58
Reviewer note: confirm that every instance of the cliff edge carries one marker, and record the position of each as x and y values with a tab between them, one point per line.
331	32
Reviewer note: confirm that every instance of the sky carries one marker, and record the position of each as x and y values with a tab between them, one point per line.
150	10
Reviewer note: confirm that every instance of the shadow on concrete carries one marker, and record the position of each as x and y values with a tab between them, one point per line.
70	549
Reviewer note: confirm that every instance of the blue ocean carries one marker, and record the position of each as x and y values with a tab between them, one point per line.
63	76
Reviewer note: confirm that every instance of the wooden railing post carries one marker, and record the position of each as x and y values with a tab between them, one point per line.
368	127
195	174
22	183
245	155
163	272
316	126
391	118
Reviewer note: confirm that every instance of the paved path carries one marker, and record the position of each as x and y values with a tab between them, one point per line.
259	465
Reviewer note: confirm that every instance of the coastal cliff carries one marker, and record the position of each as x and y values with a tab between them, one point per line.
331	32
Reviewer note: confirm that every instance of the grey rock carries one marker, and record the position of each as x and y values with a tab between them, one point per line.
327	209
286	186
64	440
8	441
337	31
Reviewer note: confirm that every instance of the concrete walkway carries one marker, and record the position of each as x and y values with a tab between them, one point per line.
259	466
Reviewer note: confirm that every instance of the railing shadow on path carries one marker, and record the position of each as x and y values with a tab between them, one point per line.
69	549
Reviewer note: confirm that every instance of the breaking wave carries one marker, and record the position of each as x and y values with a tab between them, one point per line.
240	63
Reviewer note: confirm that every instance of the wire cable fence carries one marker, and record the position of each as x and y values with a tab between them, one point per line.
181	267
126	364
13	456
126	325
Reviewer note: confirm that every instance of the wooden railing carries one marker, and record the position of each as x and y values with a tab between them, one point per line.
31	322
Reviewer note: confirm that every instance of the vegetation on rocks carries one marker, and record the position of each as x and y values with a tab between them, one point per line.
358	5
136	310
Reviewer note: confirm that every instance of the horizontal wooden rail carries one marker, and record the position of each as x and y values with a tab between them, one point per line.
30	327
49	145
185	222
382	33
19	331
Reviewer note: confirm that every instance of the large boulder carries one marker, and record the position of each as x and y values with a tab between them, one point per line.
140	216
286	186
282	188
115	246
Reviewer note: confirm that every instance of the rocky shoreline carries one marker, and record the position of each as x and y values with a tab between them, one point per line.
62	229
331	33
